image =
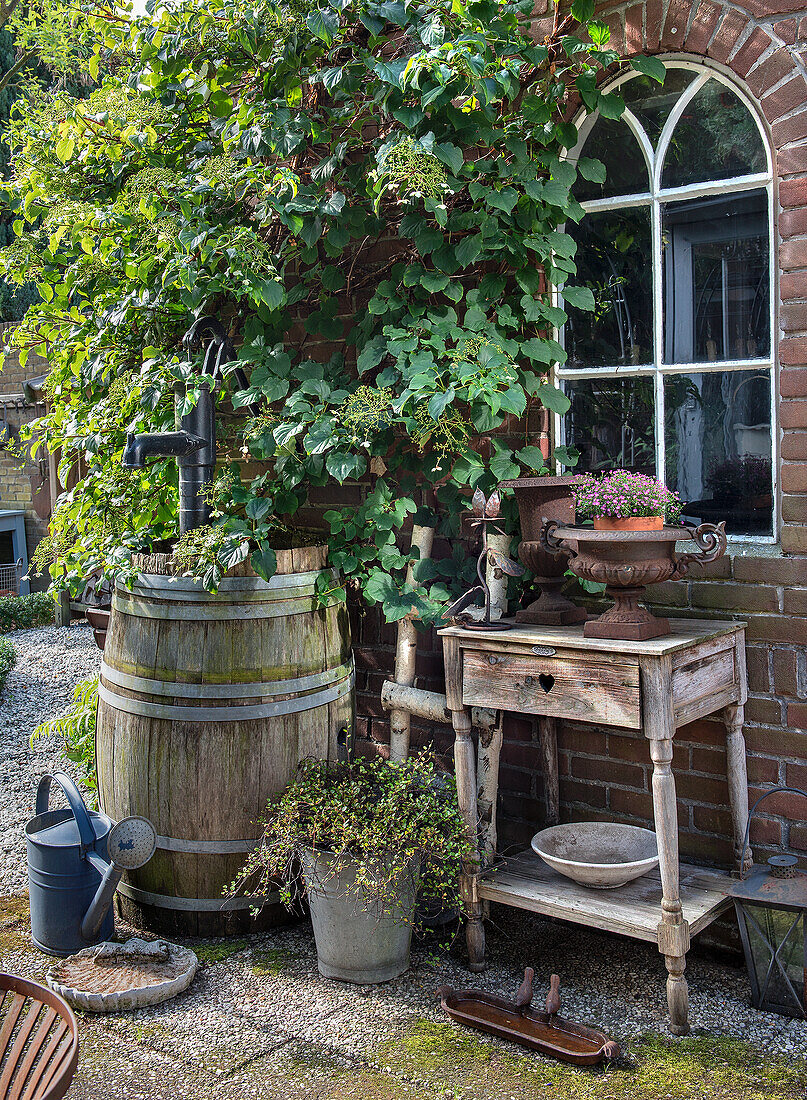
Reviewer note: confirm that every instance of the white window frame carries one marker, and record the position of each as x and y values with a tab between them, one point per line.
653	199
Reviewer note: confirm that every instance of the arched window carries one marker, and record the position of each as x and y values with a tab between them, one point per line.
672	374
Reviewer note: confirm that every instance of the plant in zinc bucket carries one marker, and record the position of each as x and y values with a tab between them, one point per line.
621	500
363	841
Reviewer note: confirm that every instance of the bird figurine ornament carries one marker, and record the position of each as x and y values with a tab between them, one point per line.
483	513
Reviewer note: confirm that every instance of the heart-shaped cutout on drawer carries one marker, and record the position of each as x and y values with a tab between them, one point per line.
546	681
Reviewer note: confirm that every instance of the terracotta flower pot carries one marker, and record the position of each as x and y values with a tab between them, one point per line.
628	523
539	499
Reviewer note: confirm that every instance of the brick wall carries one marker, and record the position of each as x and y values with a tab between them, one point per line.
605	773
24	488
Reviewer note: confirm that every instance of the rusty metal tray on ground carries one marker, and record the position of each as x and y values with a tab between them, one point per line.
518	1022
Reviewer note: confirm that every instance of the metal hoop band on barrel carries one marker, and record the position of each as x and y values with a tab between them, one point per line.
159	597
194	905
206	847
227	714
251	689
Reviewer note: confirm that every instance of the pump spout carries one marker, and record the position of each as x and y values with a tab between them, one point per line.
194	448
158	445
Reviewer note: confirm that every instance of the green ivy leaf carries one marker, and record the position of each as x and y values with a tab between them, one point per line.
264	562
553	399
592	170
649	66
580	297
504	200
468	249
611	105
323	24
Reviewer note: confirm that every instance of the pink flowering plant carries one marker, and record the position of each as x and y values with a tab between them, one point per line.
621	494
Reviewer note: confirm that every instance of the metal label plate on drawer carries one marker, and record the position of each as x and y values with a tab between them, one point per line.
604	691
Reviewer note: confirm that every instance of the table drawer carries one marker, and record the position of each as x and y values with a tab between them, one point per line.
591	689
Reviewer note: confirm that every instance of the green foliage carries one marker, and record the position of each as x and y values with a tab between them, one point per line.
76	728
297	173
21	612
385	818
8	658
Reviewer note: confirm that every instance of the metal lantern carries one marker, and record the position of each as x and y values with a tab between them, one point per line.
771	907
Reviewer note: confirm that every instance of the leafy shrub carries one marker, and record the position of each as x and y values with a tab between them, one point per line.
8	657
76	727
19	612
256	192
383	818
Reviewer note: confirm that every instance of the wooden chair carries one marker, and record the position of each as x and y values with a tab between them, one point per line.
38	1041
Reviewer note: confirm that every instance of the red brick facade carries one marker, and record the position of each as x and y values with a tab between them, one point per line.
605	773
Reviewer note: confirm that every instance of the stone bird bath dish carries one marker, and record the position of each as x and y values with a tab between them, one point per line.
599	854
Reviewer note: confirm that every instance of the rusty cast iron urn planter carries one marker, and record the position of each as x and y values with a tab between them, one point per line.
627	561
541	498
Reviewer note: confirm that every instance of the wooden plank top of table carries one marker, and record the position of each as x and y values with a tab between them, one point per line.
685	632
634	910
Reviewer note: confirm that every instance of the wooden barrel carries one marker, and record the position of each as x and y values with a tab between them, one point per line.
206	705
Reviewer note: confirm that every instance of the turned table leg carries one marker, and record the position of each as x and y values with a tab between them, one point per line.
465	769
737	775
673	930
658	720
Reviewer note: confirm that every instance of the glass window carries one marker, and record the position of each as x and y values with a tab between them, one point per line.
652	102
611	424
716	276
672	372
614	255
616	147
718	442
715	139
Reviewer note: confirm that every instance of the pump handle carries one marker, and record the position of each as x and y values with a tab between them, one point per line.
73	796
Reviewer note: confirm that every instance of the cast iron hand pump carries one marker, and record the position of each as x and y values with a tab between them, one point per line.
193	444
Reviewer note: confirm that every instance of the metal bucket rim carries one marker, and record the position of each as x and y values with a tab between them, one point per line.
50	818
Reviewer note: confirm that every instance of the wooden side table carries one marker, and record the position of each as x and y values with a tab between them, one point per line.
654	686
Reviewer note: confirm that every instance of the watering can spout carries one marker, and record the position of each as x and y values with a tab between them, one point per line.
130	844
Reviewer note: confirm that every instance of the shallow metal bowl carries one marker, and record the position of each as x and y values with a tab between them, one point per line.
598	853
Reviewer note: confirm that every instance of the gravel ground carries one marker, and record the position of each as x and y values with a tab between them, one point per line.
259	1021
49	664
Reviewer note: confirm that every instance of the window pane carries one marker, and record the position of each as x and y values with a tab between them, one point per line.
716	138
615	145
652	102
614	260
718	448
611	423
716	279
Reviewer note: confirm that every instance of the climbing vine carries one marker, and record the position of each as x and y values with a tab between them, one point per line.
371	195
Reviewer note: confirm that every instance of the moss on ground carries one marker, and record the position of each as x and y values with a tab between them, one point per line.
15	925
653	1068
269	960
211	953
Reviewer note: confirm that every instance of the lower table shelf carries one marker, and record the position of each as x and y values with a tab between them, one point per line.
526	882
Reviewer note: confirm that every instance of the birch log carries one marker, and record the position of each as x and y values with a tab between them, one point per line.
496	579
406	653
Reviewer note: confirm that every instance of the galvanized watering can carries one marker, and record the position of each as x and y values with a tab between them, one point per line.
76	858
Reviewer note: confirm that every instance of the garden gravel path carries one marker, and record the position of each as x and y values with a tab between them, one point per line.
50	663
260	1022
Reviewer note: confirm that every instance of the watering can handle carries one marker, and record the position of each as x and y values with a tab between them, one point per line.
73	796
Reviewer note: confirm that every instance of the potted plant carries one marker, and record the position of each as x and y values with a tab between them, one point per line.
624	501
363	841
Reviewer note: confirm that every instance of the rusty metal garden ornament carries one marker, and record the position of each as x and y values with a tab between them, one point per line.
627	561
484	513
519	1022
